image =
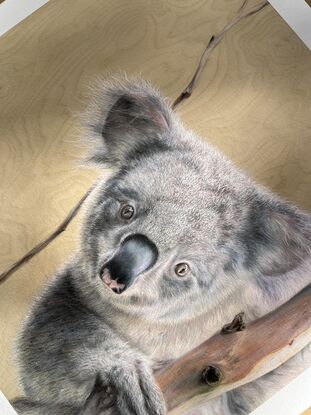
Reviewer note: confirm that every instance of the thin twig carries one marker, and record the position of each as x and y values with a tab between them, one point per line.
242	7
214	40
43	244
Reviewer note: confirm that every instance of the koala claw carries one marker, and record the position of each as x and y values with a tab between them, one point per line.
107	398
101	401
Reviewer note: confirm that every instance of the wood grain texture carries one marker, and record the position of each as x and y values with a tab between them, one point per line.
253	102
237	358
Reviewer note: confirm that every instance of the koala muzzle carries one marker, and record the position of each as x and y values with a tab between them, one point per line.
136	255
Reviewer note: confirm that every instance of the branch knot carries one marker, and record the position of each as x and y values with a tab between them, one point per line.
237	324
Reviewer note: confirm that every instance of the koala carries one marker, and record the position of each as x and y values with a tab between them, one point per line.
173	244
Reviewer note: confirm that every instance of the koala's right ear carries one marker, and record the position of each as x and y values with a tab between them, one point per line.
125	120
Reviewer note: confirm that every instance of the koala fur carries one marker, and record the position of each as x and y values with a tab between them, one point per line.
246	250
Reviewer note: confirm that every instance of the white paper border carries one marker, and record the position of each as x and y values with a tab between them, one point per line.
293	399
14	11
297	13
5	407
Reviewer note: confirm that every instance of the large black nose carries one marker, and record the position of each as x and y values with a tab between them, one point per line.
136	255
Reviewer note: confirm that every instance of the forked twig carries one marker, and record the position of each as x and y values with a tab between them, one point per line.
186	93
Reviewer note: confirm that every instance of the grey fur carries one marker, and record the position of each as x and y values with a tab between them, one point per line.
247	250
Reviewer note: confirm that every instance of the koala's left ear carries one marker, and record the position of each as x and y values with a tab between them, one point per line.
276	238
127	119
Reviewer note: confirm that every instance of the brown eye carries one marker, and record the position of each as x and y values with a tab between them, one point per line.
127	211
182	269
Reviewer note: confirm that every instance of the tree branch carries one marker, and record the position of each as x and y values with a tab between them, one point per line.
227	361
43	244
213	42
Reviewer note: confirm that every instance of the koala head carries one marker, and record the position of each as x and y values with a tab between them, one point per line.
176	223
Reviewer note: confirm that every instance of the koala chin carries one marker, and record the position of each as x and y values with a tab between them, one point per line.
173	244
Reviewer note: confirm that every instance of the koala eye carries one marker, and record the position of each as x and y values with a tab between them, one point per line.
127	212
182	269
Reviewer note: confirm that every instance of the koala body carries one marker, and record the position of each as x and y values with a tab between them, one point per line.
174	244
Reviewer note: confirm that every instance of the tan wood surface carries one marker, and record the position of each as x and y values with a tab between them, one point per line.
253	102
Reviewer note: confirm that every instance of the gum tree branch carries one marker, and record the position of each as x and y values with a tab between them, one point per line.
238	356
186	93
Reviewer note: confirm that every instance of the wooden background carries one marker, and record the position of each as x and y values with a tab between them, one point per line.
253	102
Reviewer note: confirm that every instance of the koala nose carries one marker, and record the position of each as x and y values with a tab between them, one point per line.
136	255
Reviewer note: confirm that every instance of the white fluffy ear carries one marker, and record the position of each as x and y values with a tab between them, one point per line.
277	237
126	120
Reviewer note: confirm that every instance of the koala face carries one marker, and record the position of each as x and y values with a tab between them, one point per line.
176	223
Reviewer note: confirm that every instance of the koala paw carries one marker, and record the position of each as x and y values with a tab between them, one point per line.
136	391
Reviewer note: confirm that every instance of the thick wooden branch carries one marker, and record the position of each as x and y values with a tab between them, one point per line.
237	355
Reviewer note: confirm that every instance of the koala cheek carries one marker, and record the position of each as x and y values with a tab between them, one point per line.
174	287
